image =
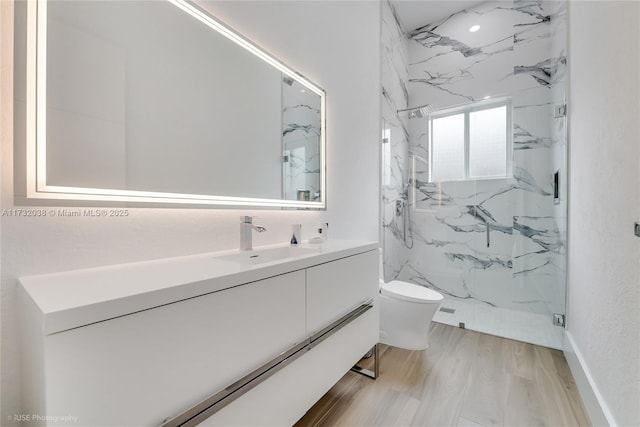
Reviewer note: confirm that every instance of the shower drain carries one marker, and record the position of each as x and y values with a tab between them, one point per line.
448	310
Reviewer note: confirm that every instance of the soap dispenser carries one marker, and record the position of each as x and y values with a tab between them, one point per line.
323	230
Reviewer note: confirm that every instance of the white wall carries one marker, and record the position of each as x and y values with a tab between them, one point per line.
336	44
603	321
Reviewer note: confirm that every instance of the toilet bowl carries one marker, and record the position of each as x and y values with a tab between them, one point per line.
406	310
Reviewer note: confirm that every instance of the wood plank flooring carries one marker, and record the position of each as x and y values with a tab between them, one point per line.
464	379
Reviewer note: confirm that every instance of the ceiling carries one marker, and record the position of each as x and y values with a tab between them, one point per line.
417	13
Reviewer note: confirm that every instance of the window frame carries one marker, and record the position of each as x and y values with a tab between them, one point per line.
466	110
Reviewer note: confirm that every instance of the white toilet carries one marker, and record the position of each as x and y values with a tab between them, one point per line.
406	310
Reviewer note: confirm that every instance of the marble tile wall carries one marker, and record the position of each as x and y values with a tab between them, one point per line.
301	140
518	53
395	145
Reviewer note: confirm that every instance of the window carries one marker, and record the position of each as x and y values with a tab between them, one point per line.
471	142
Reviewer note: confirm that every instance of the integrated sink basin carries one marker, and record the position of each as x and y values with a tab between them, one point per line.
262	256
71	299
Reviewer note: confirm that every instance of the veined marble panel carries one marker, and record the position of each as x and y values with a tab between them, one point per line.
517	53
395	152
394	61
300	140
511	287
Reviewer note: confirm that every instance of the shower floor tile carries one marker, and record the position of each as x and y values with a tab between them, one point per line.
517	325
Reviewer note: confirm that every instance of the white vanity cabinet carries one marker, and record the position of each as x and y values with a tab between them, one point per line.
334	288
149	364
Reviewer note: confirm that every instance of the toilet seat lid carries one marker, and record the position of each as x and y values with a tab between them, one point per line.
410	292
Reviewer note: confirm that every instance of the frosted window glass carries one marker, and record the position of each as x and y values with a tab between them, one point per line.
488	142
447	148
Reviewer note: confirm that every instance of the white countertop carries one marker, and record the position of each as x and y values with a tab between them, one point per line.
76	298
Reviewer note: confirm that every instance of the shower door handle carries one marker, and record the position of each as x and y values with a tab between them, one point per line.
488	234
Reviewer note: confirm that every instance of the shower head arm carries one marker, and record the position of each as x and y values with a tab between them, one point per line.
416	108
420	111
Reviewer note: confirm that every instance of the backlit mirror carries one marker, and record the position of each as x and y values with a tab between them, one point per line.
157	101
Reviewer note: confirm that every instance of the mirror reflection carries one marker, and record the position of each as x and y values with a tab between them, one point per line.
301	120
132	106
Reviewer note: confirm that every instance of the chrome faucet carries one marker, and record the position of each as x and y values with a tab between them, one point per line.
246	226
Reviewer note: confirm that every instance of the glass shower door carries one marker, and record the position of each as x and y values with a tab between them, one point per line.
487	240
444	256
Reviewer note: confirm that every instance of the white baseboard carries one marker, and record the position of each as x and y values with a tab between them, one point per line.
594	403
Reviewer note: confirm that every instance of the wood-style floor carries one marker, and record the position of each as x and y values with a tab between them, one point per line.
463	379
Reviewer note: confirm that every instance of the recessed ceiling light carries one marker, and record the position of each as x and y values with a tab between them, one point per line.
487	97
474	28
303	91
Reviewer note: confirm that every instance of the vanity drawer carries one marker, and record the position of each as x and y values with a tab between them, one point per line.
335	288
156	363
284	398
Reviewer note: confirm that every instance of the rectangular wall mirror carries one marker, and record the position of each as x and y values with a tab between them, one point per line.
157	101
